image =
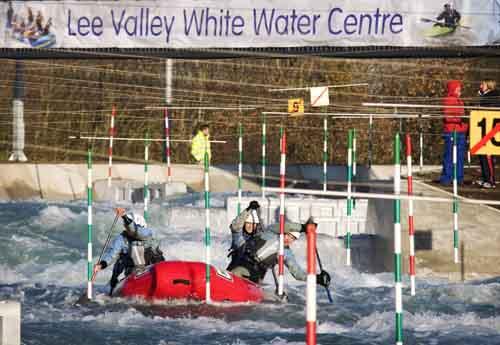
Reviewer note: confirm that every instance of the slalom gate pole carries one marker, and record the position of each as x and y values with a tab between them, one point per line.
411	228
349	197
325	153
281	253
455	199
263	156
89	224
207	229
311	285
110	150
398	286
240	164
146	177
168	153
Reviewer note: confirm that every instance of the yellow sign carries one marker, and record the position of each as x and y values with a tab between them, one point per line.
296	106
484	132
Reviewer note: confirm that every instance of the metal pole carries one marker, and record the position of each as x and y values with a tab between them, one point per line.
168	153
370	141
207	228
146	177
263	156
89	224
411	228
281	253
169	68
421	150
110	150
311	286
455	199
18	116
349	197
354	151
240	164
325	153
398	286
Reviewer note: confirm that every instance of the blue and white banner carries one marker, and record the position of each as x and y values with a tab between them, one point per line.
248	23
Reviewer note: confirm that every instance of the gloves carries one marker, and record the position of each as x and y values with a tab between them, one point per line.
254	205
323	279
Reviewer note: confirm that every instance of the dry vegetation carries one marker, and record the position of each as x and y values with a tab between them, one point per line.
71	97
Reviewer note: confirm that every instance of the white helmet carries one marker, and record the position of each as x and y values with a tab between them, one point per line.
135	218
252	217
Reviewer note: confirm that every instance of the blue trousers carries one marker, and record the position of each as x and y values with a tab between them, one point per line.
447	173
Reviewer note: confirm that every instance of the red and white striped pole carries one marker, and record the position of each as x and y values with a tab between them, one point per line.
411	228
311	285
167	147
281	253
110	150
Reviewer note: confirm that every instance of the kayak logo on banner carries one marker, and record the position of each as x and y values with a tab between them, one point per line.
484	132
296	106
319	96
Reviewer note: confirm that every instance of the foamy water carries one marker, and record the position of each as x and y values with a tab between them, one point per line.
43	263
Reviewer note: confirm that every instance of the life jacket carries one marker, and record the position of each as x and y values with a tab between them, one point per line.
145	256
257	255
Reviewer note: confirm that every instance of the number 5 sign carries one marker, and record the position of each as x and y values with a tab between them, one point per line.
484	132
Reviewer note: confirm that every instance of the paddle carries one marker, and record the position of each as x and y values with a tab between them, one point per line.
84	298
427	20
321	268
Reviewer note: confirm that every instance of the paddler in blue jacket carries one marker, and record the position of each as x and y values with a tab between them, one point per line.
132	248
254	250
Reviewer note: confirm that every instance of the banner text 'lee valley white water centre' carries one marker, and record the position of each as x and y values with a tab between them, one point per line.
244	24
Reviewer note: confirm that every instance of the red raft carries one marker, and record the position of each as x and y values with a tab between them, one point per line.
186	280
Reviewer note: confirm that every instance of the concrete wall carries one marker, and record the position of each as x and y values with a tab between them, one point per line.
330	214
69	181
478	233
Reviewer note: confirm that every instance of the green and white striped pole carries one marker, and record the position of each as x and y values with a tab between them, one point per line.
349	197
455	199
240	164
325	153
207	229
146	177
263	156
398	286
89	224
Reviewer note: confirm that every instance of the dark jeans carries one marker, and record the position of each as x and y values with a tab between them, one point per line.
447	173
487	168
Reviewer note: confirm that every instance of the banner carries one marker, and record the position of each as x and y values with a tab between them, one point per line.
248	24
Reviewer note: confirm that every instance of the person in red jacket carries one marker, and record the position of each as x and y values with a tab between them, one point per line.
453	122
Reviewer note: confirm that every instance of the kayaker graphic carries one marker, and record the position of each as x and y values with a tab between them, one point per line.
28	28
446	23
450	16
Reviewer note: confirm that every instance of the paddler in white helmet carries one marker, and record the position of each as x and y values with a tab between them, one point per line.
254	250
131	248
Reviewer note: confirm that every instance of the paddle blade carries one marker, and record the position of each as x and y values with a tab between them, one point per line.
83	300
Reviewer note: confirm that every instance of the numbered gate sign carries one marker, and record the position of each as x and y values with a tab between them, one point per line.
485	132
296	106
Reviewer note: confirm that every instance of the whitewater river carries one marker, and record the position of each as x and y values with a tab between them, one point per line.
43	265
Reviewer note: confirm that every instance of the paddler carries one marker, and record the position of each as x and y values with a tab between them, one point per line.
254	250
132	248
450	16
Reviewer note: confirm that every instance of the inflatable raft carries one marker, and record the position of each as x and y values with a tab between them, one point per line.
186	280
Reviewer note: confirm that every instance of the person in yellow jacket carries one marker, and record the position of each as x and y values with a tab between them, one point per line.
200	143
